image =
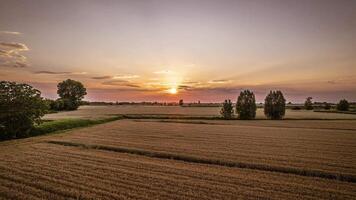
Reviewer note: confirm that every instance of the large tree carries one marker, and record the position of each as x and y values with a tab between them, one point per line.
246	105
343	105
21	107
275	105
71	92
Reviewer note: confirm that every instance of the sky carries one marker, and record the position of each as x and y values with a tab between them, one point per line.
196	50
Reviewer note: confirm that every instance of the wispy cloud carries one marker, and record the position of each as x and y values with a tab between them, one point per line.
10	54
220	81
125	76
58	73
14	46
10	32
115	82
101	77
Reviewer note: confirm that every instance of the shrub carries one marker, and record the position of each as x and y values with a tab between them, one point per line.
308	105
71	93
275	105
296	108
327	106
246	105
343	105
21	107
227	110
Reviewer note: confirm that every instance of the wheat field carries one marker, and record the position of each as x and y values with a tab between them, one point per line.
107	111
180	159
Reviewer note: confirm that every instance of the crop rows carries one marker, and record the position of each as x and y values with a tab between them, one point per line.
329	151
43	170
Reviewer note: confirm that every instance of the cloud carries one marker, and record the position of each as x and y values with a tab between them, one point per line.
58	73
185	87
125	76
10	54
14	46
50	72
10	32
219	81
121	83
116	77
101	77
115	82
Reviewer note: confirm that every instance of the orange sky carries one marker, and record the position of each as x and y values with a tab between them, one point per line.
203	50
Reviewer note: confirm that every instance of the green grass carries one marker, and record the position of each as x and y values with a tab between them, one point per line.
352	112
65	124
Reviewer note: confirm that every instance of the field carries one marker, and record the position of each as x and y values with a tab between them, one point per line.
105	111
184	159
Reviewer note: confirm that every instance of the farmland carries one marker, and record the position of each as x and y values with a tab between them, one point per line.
106	111
184	159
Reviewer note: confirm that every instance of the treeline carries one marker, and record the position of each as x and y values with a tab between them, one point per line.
21	106
274	106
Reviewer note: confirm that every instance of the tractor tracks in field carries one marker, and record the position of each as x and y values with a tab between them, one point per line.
216	162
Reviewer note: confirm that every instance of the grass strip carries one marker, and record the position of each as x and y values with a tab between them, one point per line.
190	117
193	159
337	111
65	124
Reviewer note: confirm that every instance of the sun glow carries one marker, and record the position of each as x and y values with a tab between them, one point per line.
172	91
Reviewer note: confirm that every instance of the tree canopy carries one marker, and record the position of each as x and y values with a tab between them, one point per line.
227	110
275	105
246	105
71	92
21	106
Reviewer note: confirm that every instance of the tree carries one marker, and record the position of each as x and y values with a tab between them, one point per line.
343	105
246	105
21	107
227	111
308	105
71	93
275	105
181	102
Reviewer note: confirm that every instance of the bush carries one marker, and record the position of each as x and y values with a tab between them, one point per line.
275	105
64	104
246	105
71	93
308	105
327	106
227	111
21	107
296	108
343	105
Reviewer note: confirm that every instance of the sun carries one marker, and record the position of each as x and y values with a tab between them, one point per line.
172	91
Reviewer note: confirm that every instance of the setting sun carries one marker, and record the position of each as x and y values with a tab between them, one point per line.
173	91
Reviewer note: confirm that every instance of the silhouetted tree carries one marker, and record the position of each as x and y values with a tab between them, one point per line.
308	105
71	93
227	110
246	105
343	105
275	105
21	107
181	102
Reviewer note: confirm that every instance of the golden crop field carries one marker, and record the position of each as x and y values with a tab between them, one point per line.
105	111
185	159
